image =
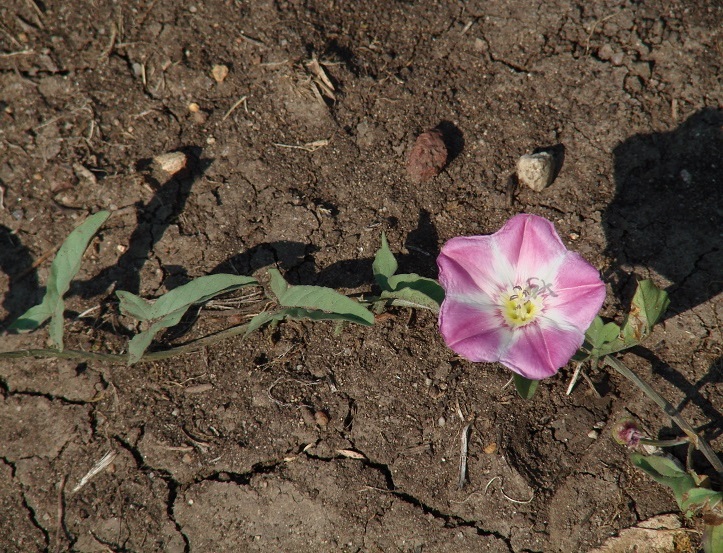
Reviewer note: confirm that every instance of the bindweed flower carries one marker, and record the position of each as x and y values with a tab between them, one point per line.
626	433
517	296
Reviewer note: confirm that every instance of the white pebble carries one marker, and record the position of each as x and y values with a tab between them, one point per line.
536	170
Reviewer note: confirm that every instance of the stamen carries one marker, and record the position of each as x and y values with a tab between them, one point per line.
520	305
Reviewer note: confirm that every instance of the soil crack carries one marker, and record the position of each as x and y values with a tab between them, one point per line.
173	486
32	516
450	521
7	392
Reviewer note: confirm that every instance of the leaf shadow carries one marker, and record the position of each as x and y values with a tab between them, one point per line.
692	394
297	260
153	219
16	261
666	211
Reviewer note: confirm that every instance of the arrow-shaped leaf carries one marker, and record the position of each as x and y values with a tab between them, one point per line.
319	298
384	265
412	290
168	310
62	271
648	305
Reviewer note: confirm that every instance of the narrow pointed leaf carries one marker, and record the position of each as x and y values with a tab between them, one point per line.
199	290
62	271
319	298
278	285
262	319
32	318
384	265
169	309
140	342
134	306
296	313
713	534
417	291
525	387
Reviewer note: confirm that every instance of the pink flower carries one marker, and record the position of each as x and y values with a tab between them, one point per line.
517	296
626	433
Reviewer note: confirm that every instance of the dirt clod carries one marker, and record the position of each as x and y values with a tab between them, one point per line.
427	157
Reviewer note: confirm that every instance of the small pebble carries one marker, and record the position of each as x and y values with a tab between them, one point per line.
490	448
536	170
321	418
170	163
219	73
441	422
605	52
427	157
593	434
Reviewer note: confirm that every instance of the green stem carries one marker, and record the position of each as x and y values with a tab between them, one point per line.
665	443
123	358
669	410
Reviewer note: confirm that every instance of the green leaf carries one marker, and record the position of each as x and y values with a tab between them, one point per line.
140	342
297	313
62	271
667	472
526	388
262	319
649	304
599	333
702	498
279	286
319	298
168	310
198	290
385	265
713	535
412	290
134	306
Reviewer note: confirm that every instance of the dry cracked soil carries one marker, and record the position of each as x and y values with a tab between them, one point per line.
295	119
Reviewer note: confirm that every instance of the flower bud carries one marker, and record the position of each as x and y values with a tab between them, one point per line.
626	433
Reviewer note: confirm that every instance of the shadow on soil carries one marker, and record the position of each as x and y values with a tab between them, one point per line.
666	211
666	215
153	219
297	260
692	390
16	261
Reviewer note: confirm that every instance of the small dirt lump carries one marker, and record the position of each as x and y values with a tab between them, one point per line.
427	157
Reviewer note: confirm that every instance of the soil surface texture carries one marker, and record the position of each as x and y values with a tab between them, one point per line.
294	121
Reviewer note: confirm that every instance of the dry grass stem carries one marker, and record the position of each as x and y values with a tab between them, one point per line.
308	147
100	466
463	457
242	100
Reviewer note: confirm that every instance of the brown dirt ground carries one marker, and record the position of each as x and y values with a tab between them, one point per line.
214	451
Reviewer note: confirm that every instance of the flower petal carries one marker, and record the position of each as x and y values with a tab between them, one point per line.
540	350
578	293
473	330
470	264
530	244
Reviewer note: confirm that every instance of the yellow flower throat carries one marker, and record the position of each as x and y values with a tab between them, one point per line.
521	305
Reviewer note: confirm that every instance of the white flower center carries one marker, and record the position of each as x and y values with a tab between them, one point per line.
520	305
